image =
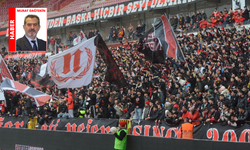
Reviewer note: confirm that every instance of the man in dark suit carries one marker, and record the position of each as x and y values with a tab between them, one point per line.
29	42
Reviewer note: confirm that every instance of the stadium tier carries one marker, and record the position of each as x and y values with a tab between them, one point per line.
155	68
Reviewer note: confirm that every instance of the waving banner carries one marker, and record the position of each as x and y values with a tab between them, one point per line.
73	68
39	97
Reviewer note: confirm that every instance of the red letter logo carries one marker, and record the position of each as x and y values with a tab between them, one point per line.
67	59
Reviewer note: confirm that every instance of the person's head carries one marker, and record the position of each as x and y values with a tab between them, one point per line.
151	103
186	119
155	108
224	107
212	109
232	110
31	26
159	106
241	109
138	93
147	103
184	108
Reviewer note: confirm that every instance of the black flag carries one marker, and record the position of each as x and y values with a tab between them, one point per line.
113	73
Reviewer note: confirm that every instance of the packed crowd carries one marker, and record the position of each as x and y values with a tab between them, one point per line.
212	87
201	20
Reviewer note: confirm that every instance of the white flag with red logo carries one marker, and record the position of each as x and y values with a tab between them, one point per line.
73	68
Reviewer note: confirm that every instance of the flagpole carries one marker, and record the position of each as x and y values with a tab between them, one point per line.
178	43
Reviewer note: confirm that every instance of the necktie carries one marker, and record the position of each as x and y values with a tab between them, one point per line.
34	45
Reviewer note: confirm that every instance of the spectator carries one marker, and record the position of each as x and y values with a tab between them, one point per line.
119	108
139	101
181	20
213	114
3	49
114	36
194	116
171	21
188	19
96	32
224	114
52	43
203	15
161	114
70	105
203	23
143	28
198	17
193	18
154	114
58	41
175	23
130	31
245	14
111	32
62	110
146	110
215	13
241	116
121	34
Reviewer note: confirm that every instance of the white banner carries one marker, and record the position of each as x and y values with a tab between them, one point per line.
73	68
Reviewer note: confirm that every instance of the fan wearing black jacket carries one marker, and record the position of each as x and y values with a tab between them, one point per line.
154	115
161	114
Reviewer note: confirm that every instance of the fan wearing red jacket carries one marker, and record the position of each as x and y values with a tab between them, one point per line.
239	19
70	104
203	23
185	112
214	22
2	106
194	116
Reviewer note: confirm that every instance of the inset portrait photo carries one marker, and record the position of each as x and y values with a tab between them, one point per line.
31	29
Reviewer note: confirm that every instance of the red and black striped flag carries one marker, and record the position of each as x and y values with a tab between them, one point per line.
165	35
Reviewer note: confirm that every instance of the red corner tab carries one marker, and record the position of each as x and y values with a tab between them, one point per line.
12	29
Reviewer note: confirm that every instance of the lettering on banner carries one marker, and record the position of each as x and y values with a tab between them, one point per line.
229	133
213	134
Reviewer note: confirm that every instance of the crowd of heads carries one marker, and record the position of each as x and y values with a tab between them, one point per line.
212	86
200	20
